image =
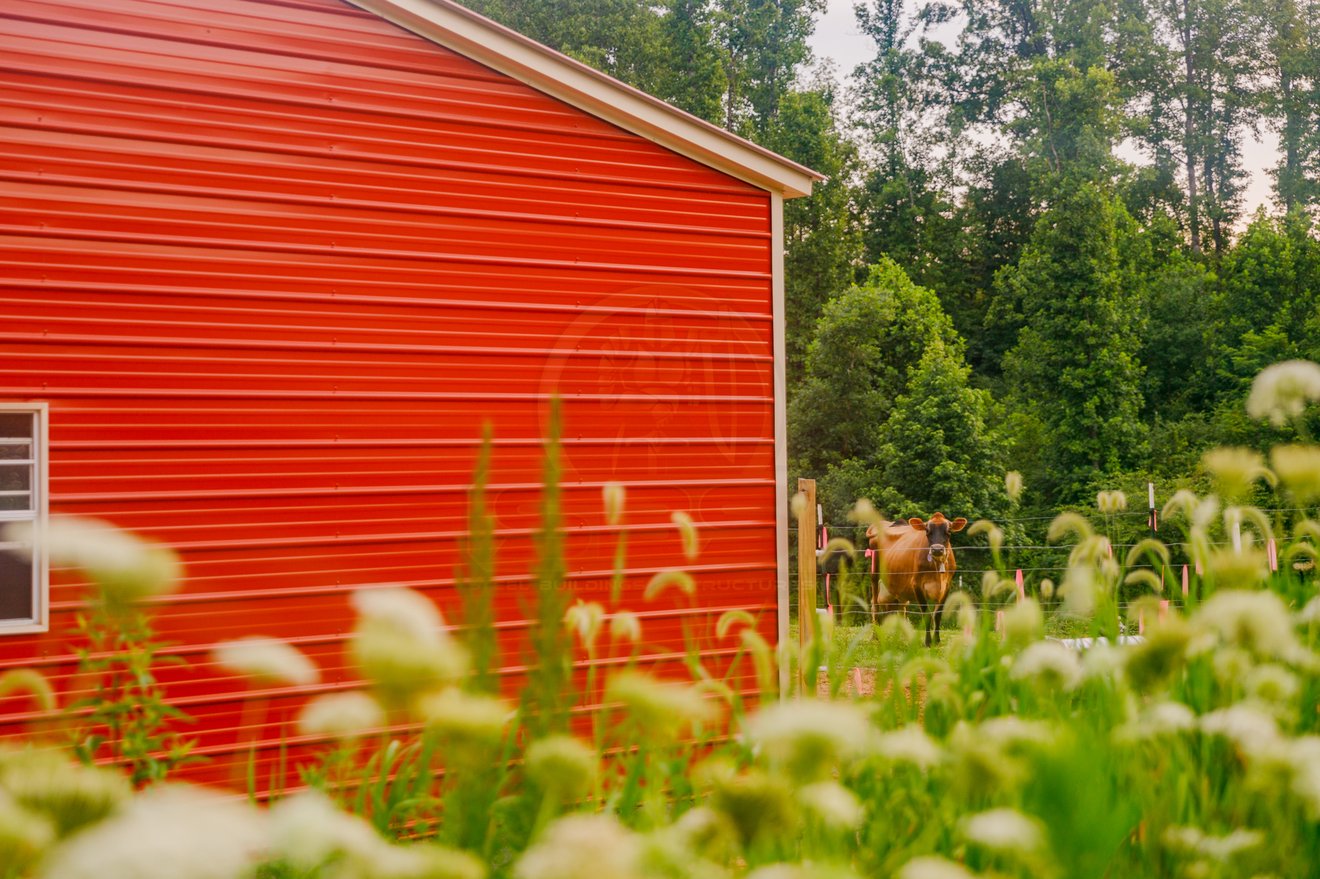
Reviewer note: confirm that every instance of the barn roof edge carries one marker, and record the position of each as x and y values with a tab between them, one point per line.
456	27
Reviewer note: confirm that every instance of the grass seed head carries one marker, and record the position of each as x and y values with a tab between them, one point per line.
1013	485
626	626
1024	622
687	530
585	619
613	494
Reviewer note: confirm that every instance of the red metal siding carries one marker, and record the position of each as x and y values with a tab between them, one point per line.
272	264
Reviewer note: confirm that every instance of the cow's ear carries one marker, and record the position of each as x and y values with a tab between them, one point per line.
958	524
917	523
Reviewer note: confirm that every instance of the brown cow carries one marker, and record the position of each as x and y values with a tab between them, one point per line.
917	564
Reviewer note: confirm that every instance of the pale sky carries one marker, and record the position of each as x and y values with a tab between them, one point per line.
837	37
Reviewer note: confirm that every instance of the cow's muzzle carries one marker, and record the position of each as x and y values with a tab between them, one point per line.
937	550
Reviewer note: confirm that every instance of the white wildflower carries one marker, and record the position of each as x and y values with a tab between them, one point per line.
266	661
165	833
934	867
1235	470
832	804
308	830
561	765
124	566
409	612
1272	684
1159	719
583	845
401	645
1298	468
341	715
1049	663
1247	727
466	719
1010	730
24	835
1194	841
1257	621
910	744
1004	830
1103	661
1282	391
1304	755
660	709
809	737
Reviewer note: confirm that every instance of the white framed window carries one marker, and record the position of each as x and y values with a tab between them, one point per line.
24	569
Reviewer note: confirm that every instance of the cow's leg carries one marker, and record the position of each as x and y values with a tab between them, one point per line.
939	617
920	601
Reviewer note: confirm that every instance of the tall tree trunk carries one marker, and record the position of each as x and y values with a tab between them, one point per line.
1189	130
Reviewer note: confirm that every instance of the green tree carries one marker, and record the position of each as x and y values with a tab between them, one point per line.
692	77
937	450
1074	365
866	343
763	45
822	241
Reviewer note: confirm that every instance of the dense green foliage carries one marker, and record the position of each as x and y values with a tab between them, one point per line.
1066	179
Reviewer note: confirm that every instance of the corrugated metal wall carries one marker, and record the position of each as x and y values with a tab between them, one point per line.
273	263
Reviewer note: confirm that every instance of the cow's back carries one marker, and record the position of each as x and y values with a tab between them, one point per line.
907	566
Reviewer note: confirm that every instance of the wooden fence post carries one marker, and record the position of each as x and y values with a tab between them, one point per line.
807	623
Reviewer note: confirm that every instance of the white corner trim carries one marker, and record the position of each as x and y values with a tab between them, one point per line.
467	33
778	307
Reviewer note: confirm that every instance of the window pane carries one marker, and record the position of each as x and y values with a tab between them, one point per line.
15	486
15	587
15	451
17	425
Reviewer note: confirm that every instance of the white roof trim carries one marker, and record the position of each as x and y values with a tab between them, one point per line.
467	33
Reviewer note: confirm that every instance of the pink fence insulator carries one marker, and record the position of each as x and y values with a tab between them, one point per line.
1021	585
1184	581
1272	550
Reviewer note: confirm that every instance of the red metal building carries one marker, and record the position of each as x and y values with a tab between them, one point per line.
266	266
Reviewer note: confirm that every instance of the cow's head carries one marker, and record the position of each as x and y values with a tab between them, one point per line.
937	531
